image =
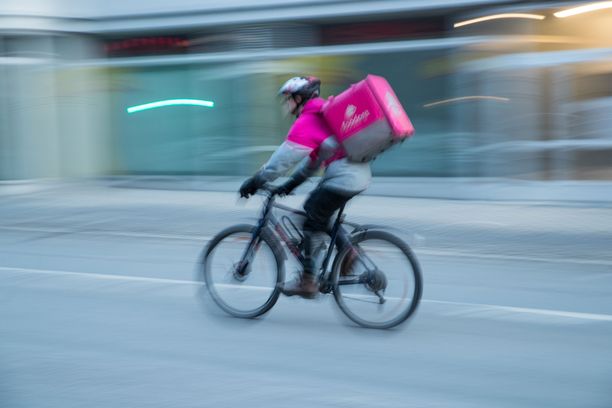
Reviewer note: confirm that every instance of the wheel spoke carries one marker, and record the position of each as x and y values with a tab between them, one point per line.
258	291
389	276
362	298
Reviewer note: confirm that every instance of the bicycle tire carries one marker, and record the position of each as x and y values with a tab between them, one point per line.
212	286
411	304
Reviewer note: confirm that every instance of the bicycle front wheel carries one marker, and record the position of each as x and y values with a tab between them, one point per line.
243	290
377	280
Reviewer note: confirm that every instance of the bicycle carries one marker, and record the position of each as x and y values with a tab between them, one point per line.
361	287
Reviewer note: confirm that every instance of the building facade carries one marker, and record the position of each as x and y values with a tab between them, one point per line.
525	97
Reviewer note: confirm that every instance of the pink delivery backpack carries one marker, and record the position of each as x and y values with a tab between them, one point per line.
367	118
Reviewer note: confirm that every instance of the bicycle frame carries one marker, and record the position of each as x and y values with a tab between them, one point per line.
353	249
339	237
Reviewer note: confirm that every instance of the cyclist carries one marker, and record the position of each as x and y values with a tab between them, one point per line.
310	141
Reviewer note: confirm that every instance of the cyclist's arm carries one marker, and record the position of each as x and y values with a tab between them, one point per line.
325	152
286	156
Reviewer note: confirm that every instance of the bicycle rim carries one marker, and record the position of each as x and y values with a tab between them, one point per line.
394	271
249	295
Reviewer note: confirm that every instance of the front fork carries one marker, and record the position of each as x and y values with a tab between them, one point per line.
243	267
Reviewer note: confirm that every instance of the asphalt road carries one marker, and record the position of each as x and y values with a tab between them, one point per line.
99	308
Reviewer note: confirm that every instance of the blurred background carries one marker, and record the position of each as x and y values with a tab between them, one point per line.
494	88
127	126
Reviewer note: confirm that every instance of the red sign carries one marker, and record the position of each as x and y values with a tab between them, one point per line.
146	46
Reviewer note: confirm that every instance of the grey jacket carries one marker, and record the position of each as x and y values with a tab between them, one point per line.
340	176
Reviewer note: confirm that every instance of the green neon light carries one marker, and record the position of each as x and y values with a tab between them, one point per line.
170	102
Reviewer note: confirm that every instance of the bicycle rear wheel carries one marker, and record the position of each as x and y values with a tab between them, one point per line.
245	291
378	262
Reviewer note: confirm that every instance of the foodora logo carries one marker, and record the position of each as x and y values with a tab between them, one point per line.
351	120
350	111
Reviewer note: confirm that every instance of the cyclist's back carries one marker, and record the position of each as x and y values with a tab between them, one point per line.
310	136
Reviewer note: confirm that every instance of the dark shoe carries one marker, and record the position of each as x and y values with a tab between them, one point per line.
306	286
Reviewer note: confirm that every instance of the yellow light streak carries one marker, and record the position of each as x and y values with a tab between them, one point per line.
467	98
583	9
499	16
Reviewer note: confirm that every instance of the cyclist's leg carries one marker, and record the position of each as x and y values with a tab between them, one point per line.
320	207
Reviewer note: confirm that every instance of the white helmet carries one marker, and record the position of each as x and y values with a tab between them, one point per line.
306	87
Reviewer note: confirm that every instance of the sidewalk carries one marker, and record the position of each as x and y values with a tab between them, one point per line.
432	188
178	208
597	193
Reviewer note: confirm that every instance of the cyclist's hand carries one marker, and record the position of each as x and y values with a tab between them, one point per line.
249	187
282	190
288	187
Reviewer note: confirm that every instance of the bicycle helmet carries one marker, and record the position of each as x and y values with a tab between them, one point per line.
305	87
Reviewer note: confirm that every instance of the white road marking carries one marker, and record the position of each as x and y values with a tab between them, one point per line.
473	306
541	312
600	262
100	276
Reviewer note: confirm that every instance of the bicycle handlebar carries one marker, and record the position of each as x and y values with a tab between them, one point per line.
270	189
269	193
